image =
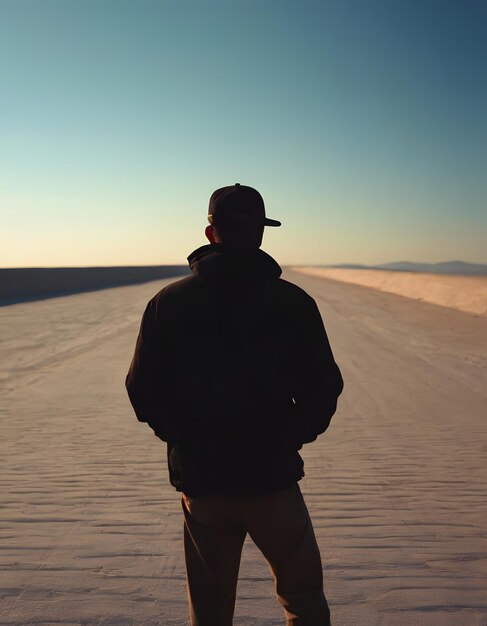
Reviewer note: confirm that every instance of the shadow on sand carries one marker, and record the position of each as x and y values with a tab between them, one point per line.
38	283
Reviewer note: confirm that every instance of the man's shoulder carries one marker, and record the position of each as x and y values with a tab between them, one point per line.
292	292
178	290
178	286
190	290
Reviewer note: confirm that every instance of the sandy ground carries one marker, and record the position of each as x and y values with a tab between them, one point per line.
465	293
92	530
22	284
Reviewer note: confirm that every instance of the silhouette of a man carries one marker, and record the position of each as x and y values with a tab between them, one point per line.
233	369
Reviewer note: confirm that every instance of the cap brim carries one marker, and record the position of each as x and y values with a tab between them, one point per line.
269	222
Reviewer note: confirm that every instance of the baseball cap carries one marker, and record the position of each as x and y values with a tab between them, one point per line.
238	205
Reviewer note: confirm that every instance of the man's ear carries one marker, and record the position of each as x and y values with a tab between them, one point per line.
210	235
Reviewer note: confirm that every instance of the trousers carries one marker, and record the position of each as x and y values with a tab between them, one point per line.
279	524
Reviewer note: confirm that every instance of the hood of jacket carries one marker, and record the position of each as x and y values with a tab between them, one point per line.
232	269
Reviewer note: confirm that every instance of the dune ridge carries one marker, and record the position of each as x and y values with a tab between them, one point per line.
464	293
19	284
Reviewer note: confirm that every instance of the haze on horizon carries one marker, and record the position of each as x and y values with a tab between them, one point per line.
361	122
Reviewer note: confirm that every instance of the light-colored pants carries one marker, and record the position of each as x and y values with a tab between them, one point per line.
279	524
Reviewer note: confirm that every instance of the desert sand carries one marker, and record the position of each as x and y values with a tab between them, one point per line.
19	284
465	293
397	487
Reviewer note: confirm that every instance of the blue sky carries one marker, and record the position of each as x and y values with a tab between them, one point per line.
362	123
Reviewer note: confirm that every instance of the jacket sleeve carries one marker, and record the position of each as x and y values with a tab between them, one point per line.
317	381
147	381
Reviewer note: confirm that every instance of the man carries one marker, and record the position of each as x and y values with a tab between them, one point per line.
233	369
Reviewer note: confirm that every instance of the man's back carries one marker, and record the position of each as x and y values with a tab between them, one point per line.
233	369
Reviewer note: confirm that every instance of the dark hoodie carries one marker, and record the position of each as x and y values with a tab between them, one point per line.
233	369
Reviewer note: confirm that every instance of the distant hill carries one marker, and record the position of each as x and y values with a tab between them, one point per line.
447	267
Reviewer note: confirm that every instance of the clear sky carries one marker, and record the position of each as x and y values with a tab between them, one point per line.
361	122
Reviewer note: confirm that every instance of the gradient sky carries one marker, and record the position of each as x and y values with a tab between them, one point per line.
361	122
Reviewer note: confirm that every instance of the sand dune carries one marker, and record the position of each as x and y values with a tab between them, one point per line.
92	531
21	284
465	293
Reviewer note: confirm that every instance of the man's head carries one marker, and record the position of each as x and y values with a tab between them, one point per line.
237	217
